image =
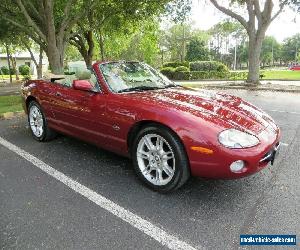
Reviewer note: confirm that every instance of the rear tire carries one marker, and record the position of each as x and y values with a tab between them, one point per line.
159	159
38	123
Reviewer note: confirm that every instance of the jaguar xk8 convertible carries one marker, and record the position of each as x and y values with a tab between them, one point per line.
170	132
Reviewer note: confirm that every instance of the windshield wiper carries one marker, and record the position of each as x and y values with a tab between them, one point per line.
140	88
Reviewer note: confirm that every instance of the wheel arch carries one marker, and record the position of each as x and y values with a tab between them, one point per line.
30	99
138	126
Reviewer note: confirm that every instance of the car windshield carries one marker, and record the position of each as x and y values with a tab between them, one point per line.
133	76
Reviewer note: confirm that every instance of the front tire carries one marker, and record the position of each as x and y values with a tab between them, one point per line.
159	159
38	123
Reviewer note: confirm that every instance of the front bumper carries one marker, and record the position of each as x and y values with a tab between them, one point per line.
217	165
270	156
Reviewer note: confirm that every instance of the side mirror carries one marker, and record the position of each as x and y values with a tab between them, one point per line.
82	85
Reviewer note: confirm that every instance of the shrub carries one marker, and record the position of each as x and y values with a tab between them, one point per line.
12	71
24	70
199	75
236	75
168	72
208	66
4	70
182	69
176	64
181	75
26	78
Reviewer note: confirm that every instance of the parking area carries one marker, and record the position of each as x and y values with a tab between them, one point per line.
39	211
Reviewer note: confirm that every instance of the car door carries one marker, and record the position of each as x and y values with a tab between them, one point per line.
81	113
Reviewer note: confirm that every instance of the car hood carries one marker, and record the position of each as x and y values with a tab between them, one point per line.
215	107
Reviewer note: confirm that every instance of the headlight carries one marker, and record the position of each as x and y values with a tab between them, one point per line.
233	138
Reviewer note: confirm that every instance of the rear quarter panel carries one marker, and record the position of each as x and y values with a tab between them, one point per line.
40	90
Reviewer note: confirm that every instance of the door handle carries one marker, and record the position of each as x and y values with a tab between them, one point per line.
58	94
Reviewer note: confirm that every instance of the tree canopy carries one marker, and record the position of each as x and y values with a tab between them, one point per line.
52	23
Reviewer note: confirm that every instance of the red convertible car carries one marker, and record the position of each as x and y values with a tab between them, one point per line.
169	131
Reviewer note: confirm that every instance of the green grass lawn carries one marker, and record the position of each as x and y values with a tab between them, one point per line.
281	75
6	77
274	75
10	104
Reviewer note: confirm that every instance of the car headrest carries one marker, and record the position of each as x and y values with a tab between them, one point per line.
83	75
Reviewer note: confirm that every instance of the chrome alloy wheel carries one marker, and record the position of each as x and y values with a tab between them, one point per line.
36	121
156	159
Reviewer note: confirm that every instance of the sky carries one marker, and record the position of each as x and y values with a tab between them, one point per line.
204	15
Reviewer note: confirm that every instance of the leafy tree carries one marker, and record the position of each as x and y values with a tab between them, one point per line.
5	39
175	39
72	54
270	51
256	25
290	48
144	43
178	11
223	32
224	35
48	23
197	50
117	15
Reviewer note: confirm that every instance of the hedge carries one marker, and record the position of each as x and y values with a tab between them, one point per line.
4	70
168	72
209	70
208	66
199	75
181	75
193	75
181	69
176	64
236	75
205	75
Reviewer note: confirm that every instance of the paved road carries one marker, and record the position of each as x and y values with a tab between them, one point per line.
39	212
10	90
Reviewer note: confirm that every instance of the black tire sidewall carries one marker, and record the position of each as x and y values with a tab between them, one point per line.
181	163
43	136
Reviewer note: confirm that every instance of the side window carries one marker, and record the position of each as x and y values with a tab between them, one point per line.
67	80
94	81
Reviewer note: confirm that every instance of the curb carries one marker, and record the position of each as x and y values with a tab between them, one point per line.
10	115
250	88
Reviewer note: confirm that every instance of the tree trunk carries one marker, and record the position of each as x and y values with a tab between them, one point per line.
38	65
256	25
8	63
101	44
14	66
87	52
55	56
39	68
183	43
16	69
90	51
255	44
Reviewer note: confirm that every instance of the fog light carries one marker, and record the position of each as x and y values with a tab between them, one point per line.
237	166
